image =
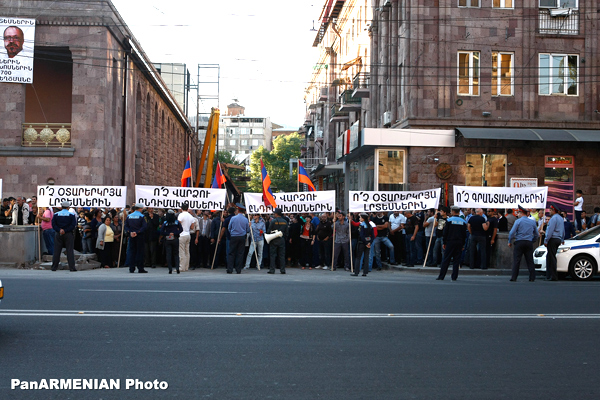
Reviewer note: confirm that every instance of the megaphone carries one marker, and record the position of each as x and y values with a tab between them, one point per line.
273	235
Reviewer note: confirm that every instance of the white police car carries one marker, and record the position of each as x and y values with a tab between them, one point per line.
579	256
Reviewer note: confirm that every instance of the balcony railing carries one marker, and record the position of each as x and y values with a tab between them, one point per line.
360	81
346	98
336	112
558	22
46	135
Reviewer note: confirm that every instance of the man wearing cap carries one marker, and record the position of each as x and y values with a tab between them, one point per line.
555	233
238	229
454	236
135	224
64	224
524	231
277	245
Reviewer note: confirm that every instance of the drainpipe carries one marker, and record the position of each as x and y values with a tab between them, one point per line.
124	123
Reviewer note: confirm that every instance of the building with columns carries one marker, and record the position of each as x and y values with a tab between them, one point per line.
97	113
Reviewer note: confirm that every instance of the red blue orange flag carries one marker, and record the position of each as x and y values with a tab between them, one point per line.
304	178
186	177
268	197
219	179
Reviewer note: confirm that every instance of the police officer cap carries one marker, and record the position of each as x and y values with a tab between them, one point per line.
65	203
455	208
522	209
278	211
139	205
170	212
240	206
554	206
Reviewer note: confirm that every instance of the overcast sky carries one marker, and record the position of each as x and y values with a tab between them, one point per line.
264	47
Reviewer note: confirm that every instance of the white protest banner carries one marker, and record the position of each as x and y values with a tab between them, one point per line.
174	197
500	197
82	196
16	56
363	201
295	202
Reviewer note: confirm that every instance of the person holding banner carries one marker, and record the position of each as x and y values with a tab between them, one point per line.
363	248
524	231
454	236
381	220
258	231
135	224
277	245
64	224
341	238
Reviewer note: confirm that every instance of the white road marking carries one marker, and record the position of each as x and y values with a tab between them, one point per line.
160	291
183	314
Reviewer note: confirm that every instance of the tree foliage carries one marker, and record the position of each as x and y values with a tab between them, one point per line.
228	158
277	162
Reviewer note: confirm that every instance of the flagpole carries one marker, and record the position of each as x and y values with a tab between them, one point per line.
217	242
191	170
333	244
298	176
254	244
430	240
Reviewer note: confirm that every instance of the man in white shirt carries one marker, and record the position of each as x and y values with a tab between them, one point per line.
578	209
187	221
397	221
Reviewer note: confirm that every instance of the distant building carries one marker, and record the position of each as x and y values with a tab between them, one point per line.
241	135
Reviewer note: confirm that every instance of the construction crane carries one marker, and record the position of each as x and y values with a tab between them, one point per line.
209	149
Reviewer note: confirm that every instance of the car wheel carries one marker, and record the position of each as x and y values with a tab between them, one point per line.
582	268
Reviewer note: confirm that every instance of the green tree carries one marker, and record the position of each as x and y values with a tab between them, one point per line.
228	158
277	162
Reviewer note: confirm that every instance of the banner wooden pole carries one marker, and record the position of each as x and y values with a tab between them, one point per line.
254	244
430	240
333	244
122	238
350	236
212	266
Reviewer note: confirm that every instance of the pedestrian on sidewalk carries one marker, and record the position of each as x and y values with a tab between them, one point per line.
135	224
170	231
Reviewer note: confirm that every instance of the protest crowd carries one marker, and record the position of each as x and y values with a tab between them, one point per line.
185	239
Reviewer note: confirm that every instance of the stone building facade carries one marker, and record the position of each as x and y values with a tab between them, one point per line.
482	90
92	79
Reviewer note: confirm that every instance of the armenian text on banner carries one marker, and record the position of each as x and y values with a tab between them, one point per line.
296	202
500	197
364	201
82	196
174	197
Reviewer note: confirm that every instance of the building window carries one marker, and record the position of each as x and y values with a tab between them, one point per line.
254	142
573	4
558	74
244	143
232	142
502	4
468	3
390	173
486	170
468	73
502	74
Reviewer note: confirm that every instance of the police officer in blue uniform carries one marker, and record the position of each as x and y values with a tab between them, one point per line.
455	234
64	224
135	224
524	231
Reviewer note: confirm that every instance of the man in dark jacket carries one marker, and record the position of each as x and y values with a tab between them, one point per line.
152	234
324	233
64	224
135	224
277	245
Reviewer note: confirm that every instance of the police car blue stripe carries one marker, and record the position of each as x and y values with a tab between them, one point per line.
585	246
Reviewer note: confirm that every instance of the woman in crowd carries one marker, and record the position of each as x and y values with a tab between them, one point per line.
104	243
364	245
258	229
117	228
294	240
170	230
307	239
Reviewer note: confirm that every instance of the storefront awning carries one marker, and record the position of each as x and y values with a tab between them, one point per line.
324	170
557	135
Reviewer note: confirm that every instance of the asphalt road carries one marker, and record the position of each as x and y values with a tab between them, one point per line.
304	335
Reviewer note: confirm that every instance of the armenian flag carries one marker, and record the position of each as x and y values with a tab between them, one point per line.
186	177
268	197
304	178
219	179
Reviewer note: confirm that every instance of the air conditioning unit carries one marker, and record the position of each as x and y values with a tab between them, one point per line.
387	118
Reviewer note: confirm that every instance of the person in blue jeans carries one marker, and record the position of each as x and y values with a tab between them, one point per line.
382	225
411	228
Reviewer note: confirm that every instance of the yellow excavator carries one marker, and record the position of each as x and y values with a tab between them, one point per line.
209	149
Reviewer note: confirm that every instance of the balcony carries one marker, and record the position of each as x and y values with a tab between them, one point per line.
556	21
46	135
360	85
349	103
337	114
323	93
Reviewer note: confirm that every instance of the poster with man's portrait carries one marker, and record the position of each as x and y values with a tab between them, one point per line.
16	55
